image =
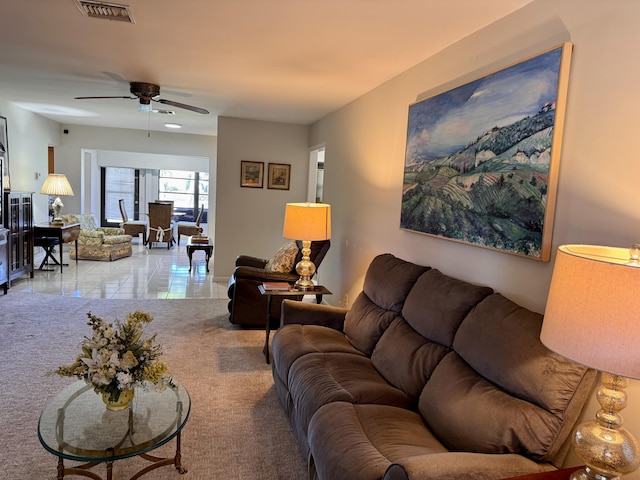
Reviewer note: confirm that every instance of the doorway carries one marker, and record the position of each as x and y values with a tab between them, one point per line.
315	191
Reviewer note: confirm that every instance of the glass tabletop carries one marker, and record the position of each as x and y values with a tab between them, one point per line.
76	424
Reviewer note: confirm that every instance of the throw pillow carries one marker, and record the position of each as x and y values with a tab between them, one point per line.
284	259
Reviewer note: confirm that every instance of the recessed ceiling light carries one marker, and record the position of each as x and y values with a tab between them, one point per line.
173	125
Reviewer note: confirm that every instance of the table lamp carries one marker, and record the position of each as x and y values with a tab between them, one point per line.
592	317
56	184
307	222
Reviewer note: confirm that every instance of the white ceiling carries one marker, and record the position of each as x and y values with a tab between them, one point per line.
278	60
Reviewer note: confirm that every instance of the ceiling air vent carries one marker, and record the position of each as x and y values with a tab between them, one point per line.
108	11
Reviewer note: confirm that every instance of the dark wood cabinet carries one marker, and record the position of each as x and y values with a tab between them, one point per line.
4	234
18	219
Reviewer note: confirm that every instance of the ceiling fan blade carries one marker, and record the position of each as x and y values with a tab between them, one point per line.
88	98
182	105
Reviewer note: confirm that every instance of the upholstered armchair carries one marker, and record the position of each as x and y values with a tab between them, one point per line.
98	243
247	307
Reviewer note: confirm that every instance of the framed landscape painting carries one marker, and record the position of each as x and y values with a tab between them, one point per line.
279	175
251	174
481	160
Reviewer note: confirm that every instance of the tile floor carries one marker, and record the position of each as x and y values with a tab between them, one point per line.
148	273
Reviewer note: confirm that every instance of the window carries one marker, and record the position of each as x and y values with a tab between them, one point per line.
187	190
119	183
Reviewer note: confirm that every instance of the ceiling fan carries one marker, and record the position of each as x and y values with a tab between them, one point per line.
145	93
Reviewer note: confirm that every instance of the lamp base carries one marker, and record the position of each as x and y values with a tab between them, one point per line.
607	449
57	208
588	474
305	268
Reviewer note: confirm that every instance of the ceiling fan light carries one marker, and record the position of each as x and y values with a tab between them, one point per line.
144	107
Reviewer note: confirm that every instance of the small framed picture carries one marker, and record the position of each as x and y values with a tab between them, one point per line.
279	176
251	174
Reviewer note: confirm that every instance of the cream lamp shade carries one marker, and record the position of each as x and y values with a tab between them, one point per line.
307	222
56	184
593	309
592	317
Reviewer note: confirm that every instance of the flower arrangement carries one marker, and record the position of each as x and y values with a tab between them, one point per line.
117	357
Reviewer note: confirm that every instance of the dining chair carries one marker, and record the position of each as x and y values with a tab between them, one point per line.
191	228
160	224
132	227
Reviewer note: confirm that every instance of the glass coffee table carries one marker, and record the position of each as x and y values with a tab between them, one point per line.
76	425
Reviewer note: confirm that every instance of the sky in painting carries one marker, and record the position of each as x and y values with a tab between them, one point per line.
441	125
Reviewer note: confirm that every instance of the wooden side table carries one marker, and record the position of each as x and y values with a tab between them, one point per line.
64	232
207	247
562	474
318	291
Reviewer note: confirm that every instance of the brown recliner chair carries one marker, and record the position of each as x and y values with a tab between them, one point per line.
247	307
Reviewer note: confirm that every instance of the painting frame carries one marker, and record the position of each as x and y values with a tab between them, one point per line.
251	174
482	159
4	154
279	176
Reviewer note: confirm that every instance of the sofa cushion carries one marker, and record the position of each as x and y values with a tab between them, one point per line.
494	395
293	341
386	285
284	259
389	279
437	304
468	413
320	378
536	374
115	239
405	358
365	322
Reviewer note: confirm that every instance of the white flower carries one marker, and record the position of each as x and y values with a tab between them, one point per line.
125	380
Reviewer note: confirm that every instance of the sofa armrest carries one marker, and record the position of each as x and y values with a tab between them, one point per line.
111	230
463	465
248	261
305	313
90	234
260	275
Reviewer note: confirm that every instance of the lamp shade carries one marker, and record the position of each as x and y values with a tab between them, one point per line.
307	221
56	184
593	309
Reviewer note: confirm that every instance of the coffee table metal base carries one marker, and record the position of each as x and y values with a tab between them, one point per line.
156	462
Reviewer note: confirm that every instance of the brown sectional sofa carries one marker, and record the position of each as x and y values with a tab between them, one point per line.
425	377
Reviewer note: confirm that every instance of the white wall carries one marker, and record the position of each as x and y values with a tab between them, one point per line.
68	153
249	220
30	135
598	191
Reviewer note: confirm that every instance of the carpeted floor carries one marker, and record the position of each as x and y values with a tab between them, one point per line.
237	428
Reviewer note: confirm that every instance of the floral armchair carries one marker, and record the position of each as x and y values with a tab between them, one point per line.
98	243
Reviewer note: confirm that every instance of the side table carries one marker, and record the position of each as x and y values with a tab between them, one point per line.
562	474
64	232
318	291
207	246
